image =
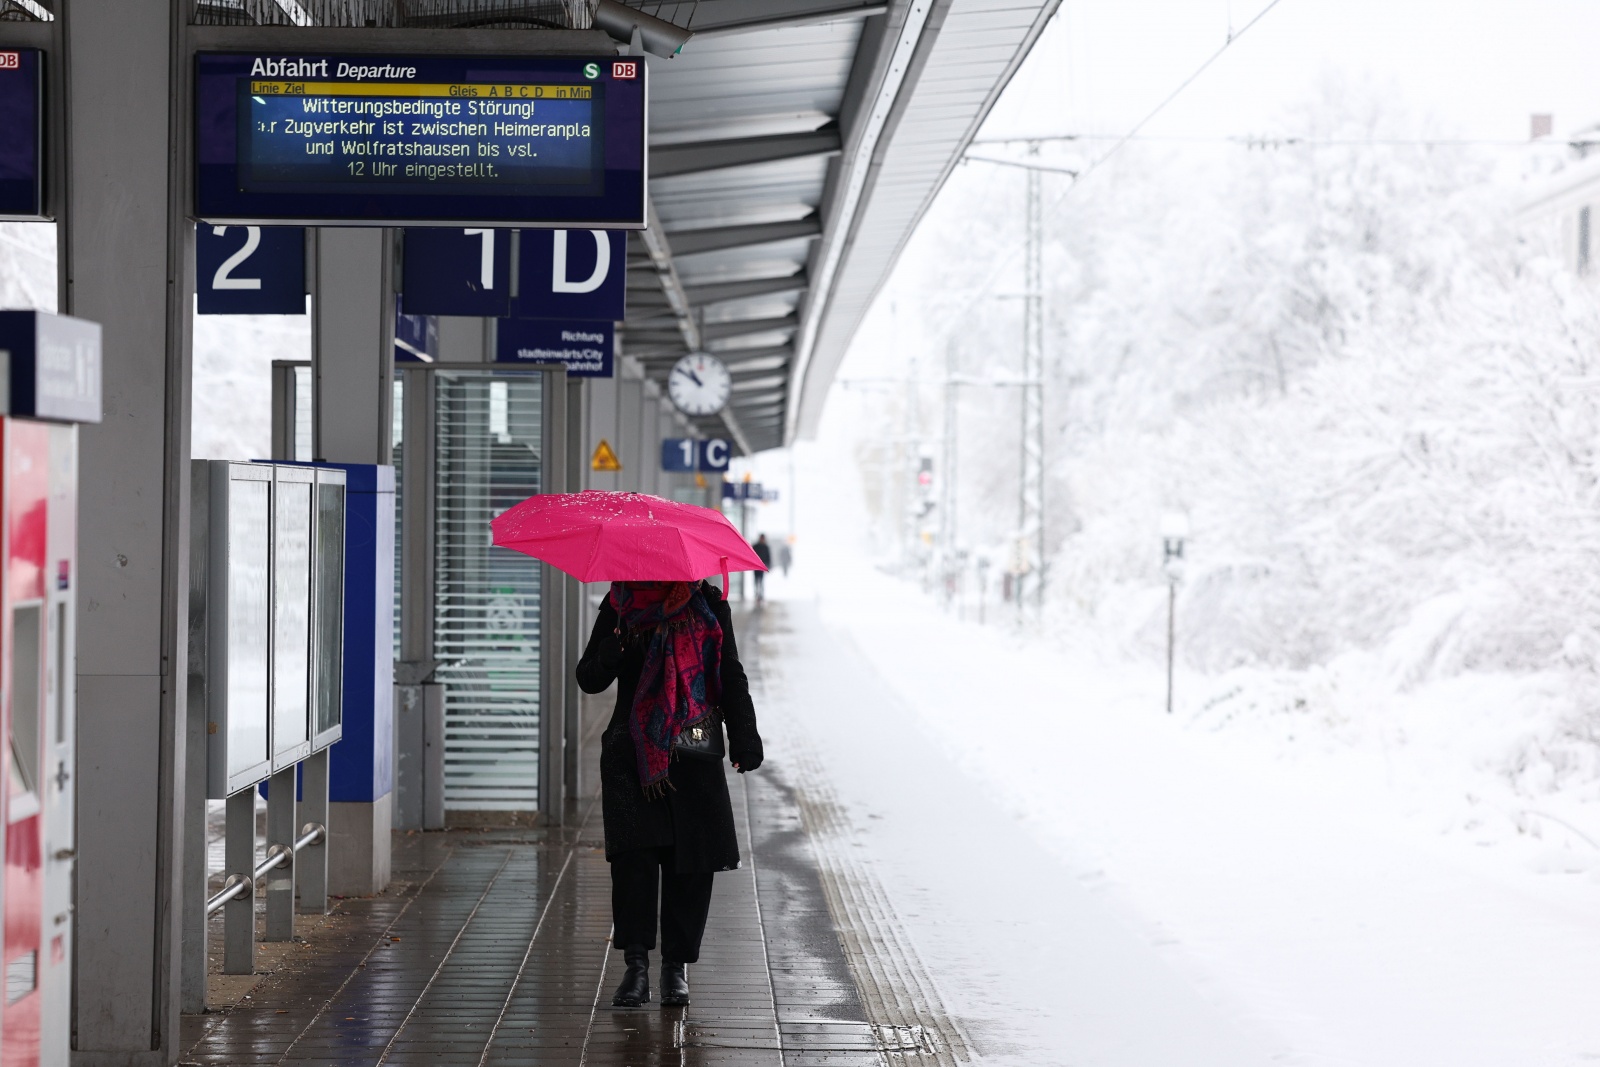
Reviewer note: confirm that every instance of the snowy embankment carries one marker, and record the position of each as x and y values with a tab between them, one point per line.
1375	876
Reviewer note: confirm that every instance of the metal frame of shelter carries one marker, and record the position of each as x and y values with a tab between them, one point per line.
432	648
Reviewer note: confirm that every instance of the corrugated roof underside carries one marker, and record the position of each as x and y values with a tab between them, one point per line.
977	50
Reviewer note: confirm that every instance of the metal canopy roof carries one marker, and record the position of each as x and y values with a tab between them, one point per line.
794	146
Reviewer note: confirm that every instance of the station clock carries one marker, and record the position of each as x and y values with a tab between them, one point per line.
699	384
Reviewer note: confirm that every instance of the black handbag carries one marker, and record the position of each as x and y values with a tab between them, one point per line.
702	740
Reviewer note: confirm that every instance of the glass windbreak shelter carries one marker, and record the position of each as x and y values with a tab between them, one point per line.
469	441
266	615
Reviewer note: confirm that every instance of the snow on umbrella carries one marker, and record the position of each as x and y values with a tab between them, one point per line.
599	536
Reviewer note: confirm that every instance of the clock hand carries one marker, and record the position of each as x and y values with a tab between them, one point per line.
695	376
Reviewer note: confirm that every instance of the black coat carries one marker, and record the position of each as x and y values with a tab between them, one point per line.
695	815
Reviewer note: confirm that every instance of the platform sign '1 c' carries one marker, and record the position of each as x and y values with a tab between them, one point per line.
684	454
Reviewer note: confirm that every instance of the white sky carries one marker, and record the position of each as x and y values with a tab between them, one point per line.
1480	67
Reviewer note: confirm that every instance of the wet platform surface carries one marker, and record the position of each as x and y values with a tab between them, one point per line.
492	947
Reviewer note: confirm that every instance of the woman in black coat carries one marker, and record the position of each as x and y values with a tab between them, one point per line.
678	831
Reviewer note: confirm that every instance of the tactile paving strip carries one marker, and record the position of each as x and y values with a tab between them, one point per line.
902	1003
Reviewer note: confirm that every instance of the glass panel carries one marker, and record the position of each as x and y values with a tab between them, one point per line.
330	605
22	976
302	414
291	624
249	602
486	626
25	696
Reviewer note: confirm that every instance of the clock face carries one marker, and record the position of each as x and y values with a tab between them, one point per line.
699	384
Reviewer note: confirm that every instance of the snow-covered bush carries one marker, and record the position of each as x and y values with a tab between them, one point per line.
1376	398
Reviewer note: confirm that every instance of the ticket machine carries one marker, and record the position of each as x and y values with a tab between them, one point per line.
52	367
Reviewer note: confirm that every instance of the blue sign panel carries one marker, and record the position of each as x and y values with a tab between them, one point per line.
420	139
714	454
51	365
457	272
250	270
21	134
572	274
742	491
584	348
416	338
679	454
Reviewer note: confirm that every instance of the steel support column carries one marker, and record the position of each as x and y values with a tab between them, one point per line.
352	396
126	261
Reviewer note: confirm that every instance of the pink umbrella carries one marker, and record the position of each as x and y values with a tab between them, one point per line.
597	536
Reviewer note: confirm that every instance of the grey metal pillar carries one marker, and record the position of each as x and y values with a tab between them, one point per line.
553	630
126	261
311	865
352	342
433	756
239	914
419	761
650	440
280	835
601	425
577	462
195	862
630	401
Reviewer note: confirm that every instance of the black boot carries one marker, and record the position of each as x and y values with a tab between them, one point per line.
635	987
674	984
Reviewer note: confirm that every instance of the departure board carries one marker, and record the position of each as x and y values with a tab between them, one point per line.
21	134
525	140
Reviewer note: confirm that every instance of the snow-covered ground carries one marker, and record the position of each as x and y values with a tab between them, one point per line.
1350	875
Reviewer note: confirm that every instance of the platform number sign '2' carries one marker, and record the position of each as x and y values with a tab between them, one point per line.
250	270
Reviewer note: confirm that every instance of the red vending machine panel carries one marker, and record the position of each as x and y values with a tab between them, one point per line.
36	540
52	375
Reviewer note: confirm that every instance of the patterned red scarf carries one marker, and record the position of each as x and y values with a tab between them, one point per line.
681	680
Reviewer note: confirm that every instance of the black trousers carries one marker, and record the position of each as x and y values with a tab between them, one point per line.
685	902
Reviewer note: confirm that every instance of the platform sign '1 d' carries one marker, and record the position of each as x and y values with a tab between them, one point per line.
457	271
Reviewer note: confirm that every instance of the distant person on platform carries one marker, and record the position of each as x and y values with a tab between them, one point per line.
785	557
764	554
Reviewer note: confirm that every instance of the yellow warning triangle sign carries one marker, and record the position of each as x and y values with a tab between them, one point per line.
605	458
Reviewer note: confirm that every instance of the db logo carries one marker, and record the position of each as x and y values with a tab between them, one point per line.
10	60
623	71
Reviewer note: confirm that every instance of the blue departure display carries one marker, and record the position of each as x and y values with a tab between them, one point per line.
530	140
21	135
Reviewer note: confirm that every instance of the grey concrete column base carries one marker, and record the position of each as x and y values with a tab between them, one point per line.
358	847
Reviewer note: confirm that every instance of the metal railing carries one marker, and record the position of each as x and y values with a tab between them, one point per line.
238	885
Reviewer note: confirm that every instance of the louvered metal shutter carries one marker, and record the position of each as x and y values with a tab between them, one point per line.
486	622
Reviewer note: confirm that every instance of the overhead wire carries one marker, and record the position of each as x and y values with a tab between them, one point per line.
1055	207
